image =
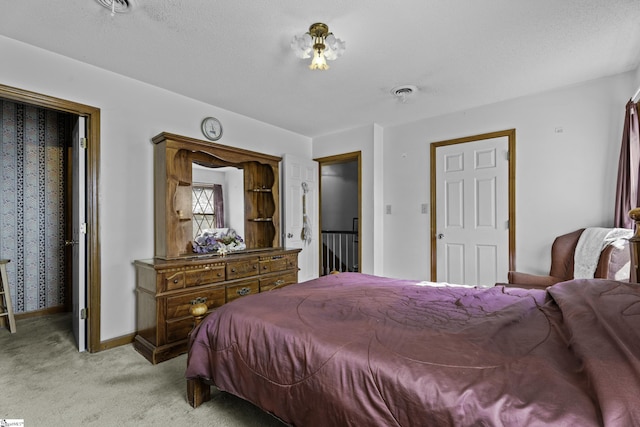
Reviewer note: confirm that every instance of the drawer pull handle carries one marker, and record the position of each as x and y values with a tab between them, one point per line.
233	270
199	300
255	267
279	282
264	267
243	291
219	274
175	280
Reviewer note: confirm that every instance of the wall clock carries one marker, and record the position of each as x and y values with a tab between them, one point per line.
212	128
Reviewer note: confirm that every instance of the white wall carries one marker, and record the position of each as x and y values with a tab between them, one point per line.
234	198
131	114
567	149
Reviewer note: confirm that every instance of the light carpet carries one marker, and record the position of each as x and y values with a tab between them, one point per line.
47	382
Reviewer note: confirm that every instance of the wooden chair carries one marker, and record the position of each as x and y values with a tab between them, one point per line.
6	309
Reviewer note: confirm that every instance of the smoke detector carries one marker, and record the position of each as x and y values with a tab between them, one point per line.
116	6
404	92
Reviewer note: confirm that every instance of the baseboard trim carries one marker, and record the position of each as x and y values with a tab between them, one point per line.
39	313
117	342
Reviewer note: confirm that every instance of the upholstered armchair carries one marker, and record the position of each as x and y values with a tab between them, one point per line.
613	263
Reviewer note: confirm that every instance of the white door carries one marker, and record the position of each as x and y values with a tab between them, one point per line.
300	208
78	236
472	212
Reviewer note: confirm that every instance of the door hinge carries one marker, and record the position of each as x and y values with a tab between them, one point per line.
83	142
508	155
84	313
83	228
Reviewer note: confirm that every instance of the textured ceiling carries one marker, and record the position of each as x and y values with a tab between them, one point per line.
235	54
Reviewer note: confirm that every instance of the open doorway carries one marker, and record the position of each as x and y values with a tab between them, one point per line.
340	213
73	110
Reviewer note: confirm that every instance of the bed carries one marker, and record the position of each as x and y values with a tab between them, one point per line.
354	349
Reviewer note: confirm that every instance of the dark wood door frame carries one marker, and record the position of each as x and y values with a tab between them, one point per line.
511	135
355	156
92	116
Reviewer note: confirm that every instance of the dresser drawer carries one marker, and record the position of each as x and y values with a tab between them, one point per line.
268	283
265	266
241	289
178	306
279	263
204	274
292	262
244	268
178	329
171	280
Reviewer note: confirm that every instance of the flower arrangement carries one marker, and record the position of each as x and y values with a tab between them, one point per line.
220	240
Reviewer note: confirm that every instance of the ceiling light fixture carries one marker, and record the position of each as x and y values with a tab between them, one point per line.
321	42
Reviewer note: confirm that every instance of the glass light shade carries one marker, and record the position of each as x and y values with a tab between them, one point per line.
302	45
318	62
335	47
330	54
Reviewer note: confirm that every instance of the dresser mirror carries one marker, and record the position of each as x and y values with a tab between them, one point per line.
205	195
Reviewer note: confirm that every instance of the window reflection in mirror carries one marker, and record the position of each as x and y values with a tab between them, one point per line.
231	180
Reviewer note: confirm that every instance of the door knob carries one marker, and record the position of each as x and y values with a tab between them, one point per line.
440	236
289	235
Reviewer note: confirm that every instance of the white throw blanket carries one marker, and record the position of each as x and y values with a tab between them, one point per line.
591	242
443	285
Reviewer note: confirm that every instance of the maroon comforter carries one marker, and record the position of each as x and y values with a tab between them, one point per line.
358	350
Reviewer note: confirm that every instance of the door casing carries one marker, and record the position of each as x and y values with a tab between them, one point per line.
341	158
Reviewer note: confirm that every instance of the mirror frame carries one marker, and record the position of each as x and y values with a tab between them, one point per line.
173	157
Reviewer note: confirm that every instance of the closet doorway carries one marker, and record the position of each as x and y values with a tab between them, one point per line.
91	115
340	212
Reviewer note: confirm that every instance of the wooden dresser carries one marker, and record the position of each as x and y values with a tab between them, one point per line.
176	277
167	288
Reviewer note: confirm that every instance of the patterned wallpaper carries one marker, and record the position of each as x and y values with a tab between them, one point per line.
32	203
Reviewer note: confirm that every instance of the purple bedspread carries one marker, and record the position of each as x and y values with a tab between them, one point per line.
359	350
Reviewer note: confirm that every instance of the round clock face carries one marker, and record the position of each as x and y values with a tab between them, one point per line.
211	128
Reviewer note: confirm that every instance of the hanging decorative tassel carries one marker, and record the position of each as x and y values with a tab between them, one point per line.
306	226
